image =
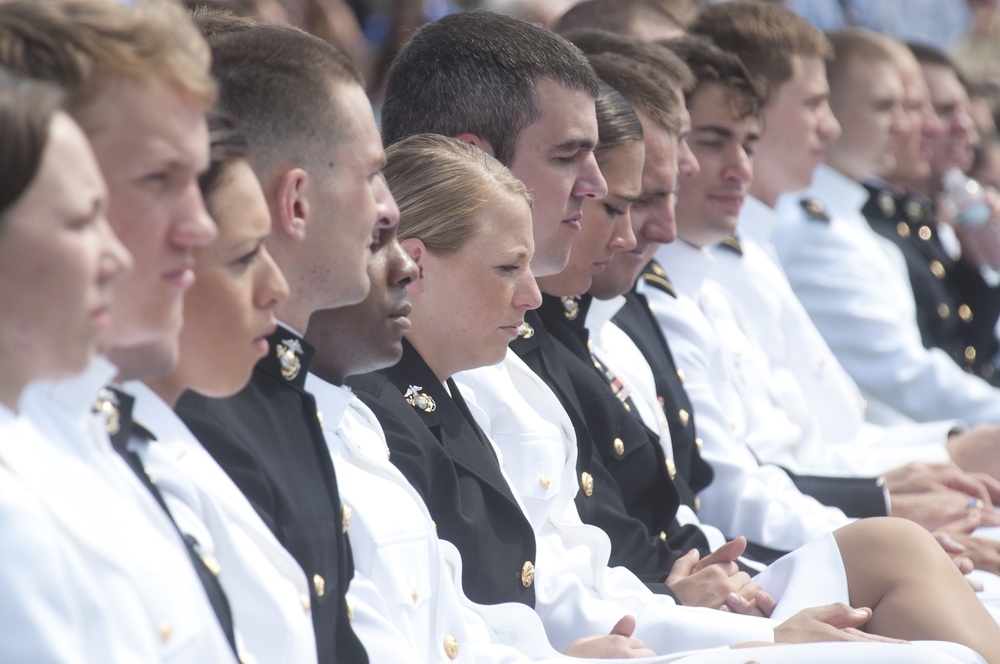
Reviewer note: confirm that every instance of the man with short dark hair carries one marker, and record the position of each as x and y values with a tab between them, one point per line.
516	91
317	153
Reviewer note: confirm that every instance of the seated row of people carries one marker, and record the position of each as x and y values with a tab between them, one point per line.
273	515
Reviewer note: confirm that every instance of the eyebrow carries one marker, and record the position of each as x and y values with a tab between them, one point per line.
723	132
574	144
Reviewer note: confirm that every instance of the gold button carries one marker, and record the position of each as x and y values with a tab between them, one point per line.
319	585
699	443
150	476
527	574
545	481
965	313
435	525
663	536
924	232
319	416
628	408
166	631
247	658
943	311
937	269
619	446
663	423
451	646
212	564
671	468
304	600
651	308
388	454
587	483
350	610
864	405
903	229
683	414
345	517
680	374
415	594
697	504
970	353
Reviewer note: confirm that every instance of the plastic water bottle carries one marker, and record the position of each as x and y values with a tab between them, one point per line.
964	200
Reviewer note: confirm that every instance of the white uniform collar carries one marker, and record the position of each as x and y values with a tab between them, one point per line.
333	399
687	266
602	311
757	221
842	196
71	397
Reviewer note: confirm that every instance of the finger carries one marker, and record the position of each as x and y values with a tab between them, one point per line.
976	586
841	616
990	517
726	553
992	485
865	636
951	547
683	566
765	603
624	627
738	604
967	484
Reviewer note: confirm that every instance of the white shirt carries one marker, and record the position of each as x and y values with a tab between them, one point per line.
267	590
852	283
156	610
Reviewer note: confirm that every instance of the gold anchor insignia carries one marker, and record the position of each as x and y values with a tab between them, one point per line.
106	403
571	307
525	331
288	352
420	400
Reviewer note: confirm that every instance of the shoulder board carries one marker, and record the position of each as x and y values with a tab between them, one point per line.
655	276
814	209
732	243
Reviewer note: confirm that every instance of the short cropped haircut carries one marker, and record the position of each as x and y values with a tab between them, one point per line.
617	123
26	111
227	144
766	37
476	73
856	46
710	64
87	45
443	186
618	16
928	55
654	56
280	86
646	89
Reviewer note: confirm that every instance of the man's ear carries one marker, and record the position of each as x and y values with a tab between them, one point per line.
417	251
291	207
480	143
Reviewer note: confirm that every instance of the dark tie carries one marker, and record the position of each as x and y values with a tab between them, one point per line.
117	405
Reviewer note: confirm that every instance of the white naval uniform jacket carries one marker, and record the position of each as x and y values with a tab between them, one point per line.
124	547
853	284
811	413
747	497
267	590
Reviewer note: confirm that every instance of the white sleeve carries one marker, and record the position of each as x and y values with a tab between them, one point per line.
844	277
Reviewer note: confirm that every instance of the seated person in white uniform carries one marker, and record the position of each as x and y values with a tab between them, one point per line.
137	81
227	315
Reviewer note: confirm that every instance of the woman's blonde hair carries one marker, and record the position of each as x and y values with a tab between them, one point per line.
442	185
